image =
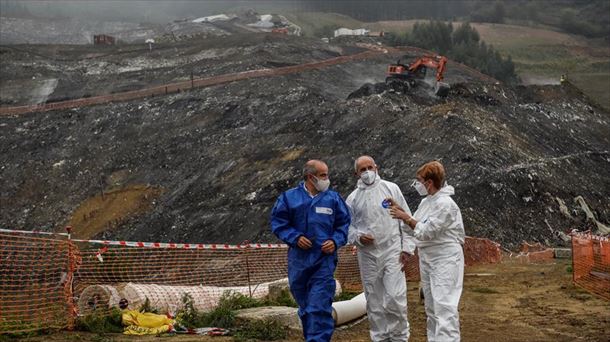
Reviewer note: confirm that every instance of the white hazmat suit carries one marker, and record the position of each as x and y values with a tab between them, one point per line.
384	283
440	236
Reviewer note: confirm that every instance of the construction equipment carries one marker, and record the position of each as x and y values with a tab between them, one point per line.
414	74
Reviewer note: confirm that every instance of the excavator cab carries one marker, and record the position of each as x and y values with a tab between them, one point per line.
412	75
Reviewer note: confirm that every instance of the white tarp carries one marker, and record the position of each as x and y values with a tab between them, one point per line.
212	18
266	17
262	24
348	32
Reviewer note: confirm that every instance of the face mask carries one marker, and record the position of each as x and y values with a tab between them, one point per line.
368	177
321	184
421	189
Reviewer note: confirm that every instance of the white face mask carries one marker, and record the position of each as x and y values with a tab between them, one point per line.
321	184
421	189
368	177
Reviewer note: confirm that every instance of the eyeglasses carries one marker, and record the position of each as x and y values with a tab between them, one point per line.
415	181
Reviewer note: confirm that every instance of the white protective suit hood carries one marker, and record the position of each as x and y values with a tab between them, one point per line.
439	220
446	190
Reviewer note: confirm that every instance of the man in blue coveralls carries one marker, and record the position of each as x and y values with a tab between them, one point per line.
313	221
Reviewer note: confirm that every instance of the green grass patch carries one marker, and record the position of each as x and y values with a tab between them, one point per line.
483	290
27	329
594	85
266	330
284	299
569	269
312	23
223	316
101	323
345	295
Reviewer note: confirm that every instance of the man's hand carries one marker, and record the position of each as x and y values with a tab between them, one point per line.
304	243
328	247
366	239
403	260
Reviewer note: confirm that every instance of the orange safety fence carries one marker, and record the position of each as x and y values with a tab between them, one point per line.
534	253
46	282
185	85
36	275
591	263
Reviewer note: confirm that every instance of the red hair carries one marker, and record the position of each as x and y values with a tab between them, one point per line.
433	171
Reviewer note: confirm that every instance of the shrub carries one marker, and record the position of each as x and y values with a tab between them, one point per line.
462	44
146	307
223	316
284	299
237	301
101	323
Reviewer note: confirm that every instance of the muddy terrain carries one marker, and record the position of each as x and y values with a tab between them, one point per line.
206	165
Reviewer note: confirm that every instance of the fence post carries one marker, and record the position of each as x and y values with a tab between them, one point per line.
68	290
572	245
247	245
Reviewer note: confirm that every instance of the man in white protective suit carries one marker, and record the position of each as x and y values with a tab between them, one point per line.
382	244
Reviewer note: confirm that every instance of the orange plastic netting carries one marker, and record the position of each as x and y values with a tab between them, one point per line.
46	282
591	263
36	277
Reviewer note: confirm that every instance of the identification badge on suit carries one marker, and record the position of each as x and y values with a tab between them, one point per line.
324	210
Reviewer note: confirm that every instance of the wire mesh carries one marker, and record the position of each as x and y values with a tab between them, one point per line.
46	282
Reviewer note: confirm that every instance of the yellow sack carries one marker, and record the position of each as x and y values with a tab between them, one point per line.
145	323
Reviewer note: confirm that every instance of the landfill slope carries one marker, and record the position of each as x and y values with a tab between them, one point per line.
218	157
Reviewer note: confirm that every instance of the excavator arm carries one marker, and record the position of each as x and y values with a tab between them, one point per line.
409	74
432	62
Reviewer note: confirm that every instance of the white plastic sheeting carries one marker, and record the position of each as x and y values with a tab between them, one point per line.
166	298
349	310
347	32
212	18
96	297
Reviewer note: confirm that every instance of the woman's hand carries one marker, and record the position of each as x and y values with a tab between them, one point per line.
398	213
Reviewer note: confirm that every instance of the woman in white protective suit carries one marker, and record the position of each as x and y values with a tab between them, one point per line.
437	225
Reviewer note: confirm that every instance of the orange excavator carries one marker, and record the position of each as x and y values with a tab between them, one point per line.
414	74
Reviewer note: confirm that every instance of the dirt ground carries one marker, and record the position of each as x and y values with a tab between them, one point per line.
502	303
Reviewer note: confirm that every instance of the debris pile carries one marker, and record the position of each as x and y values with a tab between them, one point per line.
518	157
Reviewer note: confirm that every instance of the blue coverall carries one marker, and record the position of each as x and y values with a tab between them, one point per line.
311	272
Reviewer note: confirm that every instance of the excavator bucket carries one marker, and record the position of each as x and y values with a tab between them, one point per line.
441	89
